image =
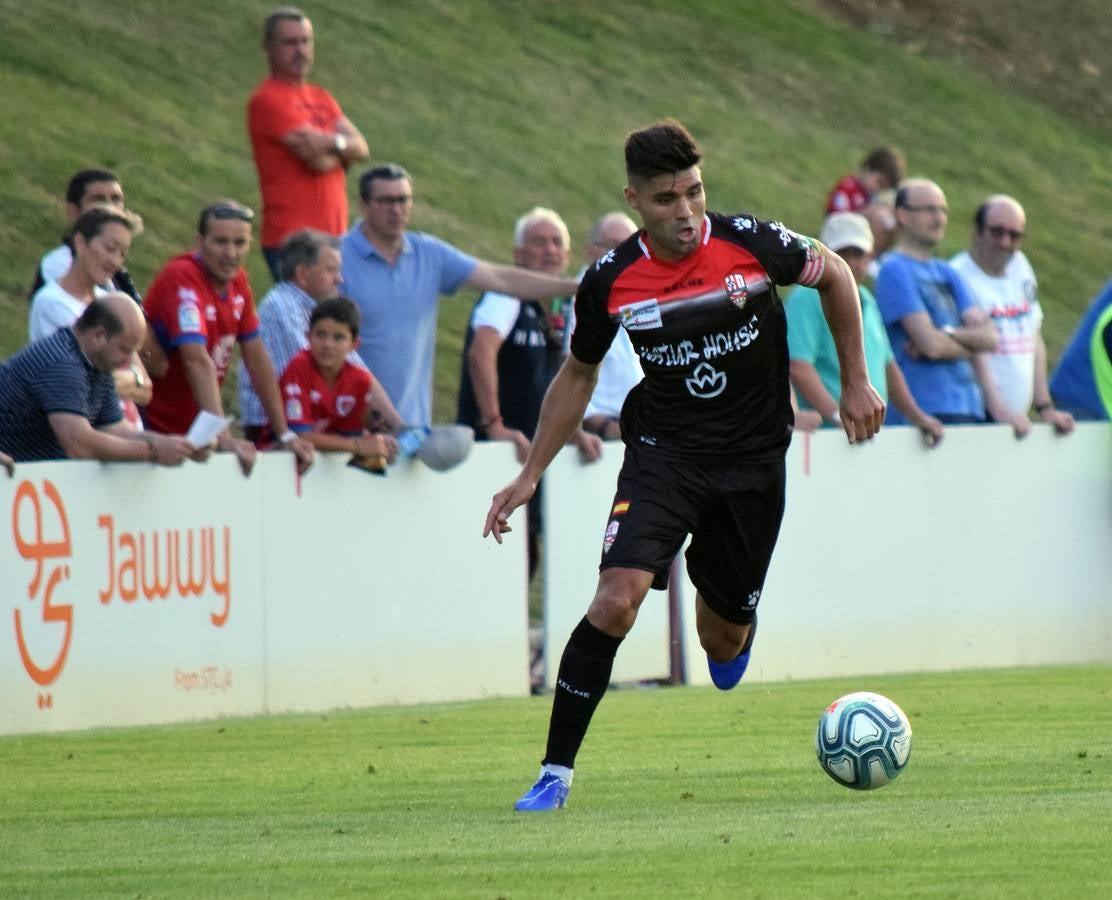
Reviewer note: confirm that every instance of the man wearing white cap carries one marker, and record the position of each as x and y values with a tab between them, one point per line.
814	362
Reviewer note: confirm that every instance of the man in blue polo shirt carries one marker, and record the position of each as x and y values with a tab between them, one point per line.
933	323
58	398
397	277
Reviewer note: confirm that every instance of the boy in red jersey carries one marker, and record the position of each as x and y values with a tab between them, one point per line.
329	401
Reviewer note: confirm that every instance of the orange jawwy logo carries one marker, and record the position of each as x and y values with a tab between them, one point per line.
39	551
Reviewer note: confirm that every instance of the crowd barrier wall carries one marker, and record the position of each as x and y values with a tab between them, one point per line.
983	552
131	594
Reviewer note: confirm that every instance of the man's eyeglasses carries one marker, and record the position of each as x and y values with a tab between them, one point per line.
999	232
931	208
403	200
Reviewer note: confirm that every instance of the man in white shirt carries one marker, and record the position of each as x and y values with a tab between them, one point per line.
620	369
1002	282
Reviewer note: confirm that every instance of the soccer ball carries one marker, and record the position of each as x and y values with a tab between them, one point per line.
863	740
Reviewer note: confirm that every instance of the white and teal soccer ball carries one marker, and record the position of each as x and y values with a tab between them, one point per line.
863	740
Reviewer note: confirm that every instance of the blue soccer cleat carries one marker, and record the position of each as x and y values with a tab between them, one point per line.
726	675
550	792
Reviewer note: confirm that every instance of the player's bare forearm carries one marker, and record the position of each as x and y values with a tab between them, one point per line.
841	305
561	415
861	409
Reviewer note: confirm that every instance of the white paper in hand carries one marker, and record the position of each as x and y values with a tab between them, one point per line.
206	427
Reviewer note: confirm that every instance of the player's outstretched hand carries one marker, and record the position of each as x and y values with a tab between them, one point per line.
517	493
861	411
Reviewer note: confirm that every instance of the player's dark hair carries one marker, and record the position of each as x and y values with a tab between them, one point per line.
91	222
386	172
338	309
661	149
75	190
282	14
889	162
901	198
99	314
302	248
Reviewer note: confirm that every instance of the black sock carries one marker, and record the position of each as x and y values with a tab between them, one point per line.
582	680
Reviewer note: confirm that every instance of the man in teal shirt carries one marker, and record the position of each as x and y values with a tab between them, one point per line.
814	361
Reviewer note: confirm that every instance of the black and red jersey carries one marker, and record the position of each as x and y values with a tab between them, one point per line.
711	334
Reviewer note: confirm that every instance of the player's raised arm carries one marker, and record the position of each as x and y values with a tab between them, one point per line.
561	416
861	409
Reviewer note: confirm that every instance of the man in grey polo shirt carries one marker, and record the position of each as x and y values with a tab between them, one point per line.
397	276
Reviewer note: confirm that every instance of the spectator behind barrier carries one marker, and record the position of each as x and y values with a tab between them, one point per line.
86	189
869	192
933	324
301	139
510	355
329	400
58	398
620	369
199	306
1073	384
101	240
397	278
814	367
1002	282
309	269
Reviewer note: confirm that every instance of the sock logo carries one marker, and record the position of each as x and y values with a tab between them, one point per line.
586	695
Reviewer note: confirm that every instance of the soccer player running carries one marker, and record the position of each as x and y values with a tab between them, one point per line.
706	431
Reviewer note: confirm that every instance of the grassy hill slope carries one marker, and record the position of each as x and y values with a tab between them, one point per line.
497	106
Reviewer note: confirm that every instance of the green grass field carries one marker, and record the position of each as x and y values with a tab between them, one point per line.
679	792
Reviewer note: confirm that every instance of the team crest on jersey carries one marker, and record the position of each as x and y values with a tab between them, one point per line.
640	316
737	290
210	313
237	306
314	395
189	316
293	409
610	536
345	403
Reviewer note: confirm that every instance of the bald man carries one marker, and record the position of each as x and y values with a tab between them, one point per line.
620	369
58	398
934	326
1003	284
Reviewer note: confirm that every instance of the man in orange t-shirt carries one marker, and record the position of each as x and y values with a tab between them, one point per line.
302	141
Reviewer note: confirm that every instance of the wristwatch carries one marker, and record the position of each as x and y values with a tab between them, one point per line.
339	143
287	437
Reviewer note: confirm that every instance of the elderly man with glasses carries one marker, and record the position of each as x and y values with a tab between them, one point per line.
199	306
933	323
1003	284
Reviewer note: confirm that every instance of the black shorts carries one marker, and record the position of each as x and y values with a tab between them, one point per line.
732	513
